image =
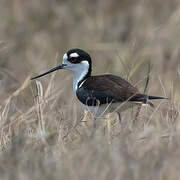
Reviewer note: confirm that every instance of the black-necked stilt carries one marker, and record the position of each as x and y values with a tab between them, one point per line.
103	93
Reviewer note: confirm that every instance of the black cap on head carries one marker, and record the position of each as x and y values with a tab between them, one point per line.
77	55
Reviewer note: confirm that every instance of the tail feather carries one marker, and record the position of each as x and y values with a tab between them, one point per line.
145	99
153	97
156	97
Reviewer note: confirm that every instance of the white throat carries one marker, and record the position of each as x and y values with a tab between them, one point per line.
79	70
79	73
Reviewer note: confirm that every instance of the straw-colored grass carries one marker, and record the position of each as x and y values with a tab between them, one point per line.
44	131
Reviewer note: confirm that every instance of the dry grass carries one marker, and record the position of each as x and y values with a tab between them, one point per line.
41	130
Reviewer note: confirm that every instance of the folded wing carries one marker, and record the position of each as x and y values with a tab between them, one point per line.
103	89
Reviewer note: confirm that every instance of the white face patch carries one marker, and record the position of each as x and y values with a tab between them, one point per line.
75	55
65	57
79	71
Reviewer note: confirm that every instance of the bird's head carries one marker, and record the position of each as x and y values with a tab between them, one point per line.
75	60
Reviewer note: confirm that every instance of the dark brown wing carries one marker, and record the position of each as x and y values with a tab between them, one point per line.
107	88
115	86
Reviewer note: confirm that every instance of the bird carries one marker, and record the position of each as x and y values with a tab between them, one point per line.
100	94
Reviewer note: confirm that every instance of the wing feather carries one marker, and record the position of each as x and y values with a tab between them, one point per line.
105	89
110	84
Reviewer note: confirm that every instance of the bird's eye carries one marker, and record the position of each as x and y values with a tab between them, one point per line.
72	60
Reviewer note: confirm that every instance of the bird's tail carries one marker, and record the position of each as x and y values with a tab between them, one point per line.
156	97
145	99
148	98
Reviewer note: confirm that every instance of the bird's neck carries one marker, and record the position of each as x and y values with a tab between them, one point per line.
79	77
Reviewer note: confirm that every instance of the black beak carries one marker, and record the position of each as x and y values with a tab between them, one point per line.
50	71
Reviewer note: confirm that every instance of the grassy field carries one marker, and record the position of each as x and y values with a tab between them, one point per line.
41	133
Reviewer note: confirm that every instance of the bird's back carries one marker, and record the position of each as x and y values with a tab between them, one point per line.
105	89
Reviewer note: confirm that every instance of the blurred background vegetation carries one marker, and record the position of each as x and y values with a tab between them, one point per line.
122	38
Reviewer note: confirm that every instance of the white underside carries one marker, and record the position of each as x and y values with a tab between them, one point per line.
102	110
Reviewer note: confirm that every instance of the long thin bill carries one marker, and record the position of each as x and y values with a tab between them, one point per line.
50	71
